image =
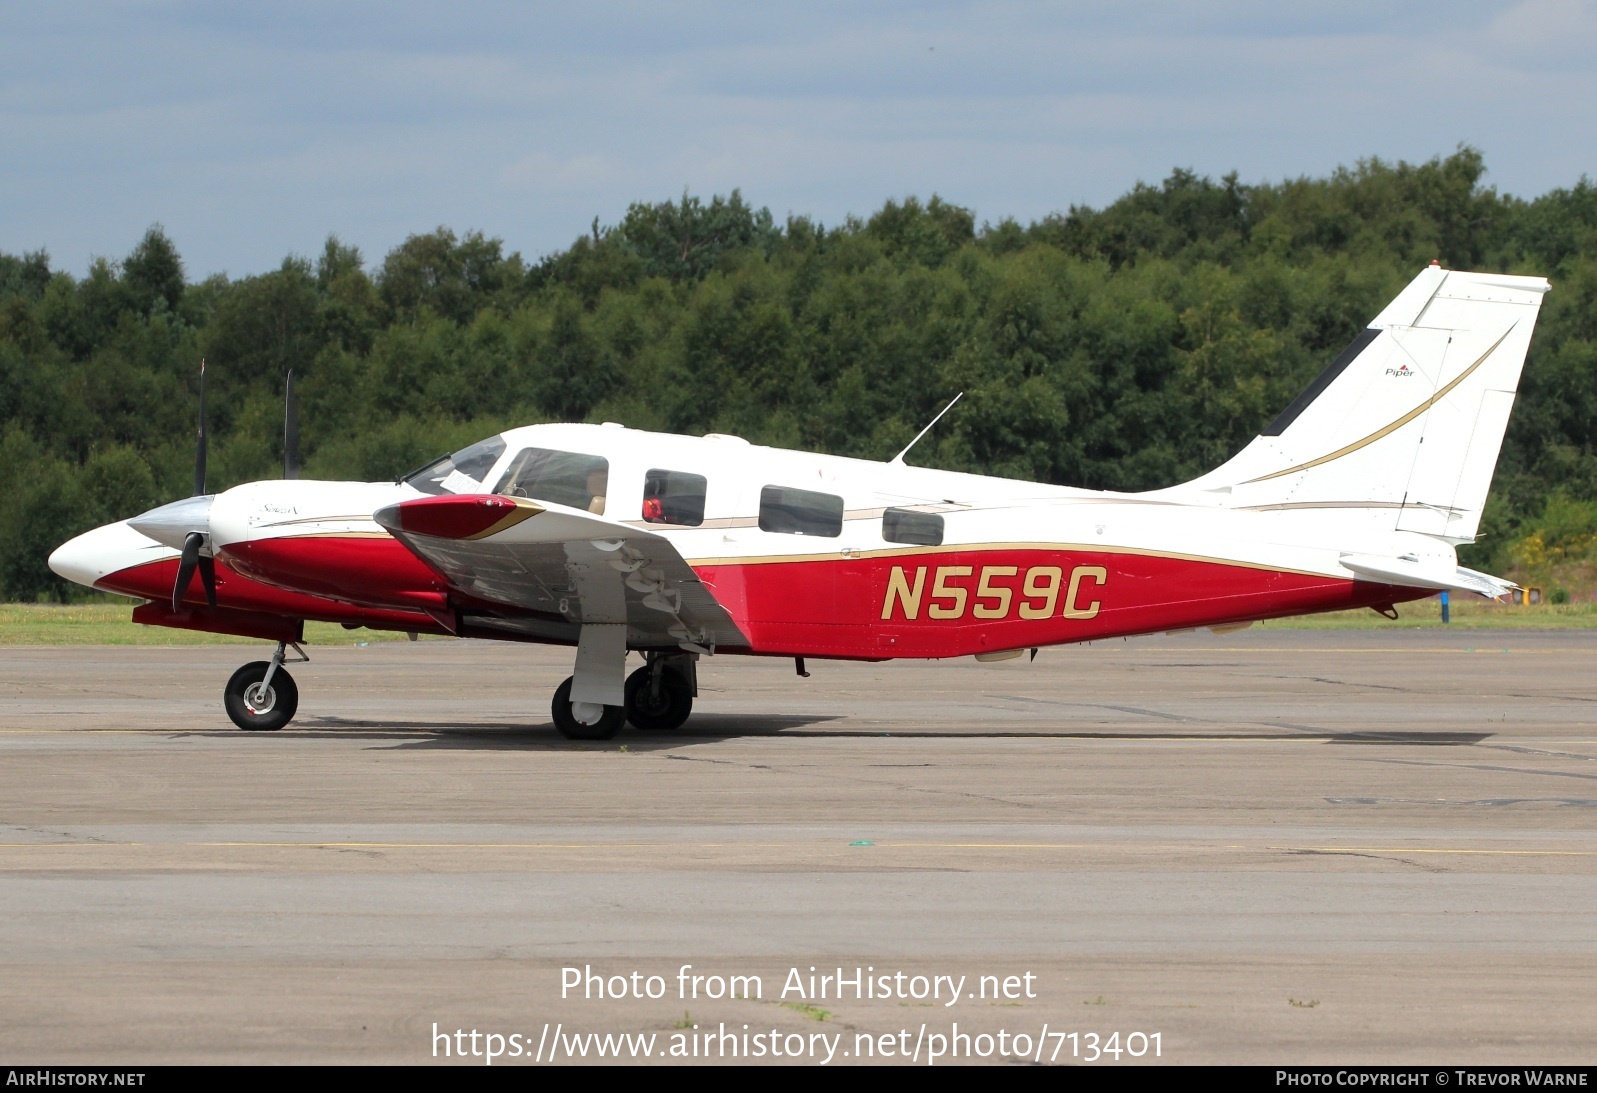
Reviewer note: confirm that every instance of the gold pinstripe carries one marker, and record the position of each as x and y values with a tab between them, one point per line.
1085	548
522	511
1398	424
915	552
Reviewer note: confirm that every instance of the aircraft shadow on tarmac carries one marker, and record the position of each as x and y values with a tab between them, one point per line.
412	735
710	728
1444	739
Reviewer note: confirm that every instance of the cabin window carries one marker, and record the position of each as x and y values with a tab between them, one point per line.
674	497
563	478
800	512
915	528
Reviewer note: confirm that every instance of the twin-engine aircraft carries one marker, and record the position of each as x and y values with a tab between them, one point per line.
616	541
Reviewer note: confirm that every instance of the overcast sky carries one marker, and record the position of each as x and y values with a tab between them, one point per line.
253	131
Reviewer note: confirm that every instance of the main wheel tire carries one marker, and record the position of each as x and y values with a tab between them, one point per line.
257	712
662	712
566	721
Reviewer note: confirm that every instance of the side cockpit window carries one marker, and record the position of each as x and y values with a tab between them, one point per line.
914	528
800	512
674	497
564	478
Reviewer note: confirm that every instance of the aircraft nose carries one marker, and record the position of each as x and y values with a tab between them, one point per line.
74	560
92	555
172	523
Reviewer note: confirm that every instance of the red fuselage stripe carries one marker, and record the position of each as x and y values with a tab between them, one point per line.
958	604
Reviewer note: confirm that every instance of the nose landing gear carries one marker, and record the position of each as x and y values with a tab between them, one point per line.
261	696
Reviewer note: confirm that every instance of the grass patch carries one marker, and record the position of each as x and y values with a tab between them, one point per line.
110	624
1468	613
814	1013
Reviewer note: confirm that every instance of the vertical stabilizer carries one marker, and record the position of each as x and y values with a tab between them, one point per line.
1405	426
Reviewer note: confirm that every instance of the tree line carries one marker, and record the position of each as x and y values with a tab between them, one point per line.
1127	347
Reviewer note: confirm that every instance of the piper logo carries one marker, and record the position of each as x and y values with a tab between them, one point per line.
1402	372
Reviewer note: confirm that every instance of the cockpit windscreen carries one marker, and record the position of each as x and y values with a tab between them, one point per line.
462	472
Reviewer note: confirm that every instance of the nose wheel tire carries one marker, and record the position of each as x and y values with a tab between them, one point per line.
662	711
565	718
260	710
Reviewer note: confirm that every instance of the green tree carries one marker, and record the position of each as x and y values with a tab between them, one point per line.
924	234
684	240
153	273
452	278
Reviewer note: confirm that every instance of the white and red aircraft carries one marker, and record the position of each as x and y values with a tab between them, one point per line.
675	547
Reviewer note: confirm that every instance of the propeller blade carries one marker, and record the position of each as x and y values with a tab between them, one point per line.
185	568
208	579
290	430
199	446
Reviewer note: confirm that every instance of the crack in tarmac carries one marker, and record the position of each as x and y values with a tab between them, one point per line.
1303	852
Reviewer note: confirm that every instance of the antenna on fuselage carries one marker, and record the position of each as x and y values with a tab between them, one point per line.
899	458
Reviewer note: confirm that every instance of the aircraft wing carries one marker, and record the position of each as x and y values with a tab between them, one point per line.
567	566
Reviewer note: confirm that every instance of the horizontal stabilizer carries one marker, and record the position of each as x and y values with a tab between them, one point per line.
1410	571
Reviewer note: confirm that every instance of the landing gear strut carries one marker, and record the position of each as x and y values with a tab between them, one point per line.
261	696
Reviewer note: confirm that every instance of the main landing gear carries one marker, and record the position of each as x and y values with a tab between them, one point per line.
657	698
261	696
660	694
